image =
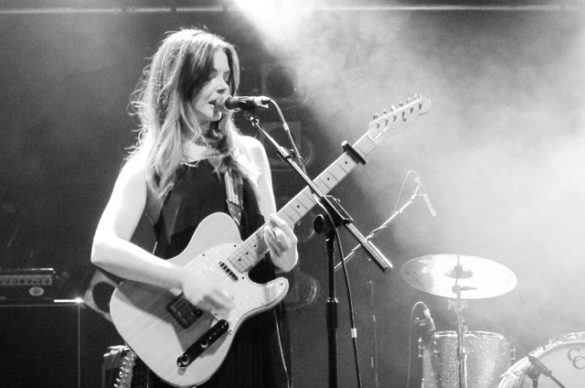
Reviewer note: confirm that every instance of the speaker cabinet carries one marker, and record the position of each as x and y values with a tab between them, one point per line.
40	345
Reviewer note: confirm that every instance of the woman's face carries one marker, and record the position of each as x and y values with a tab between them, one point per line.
204	101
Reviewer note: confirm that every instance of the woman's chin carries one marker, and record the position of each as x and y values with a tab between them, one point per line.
217	116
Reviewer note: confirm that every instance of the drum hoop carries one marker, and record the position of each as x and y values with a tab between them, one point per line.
569	337
475	333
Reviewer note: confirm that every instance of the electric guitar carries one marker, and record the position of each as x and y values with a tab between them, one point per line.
185	345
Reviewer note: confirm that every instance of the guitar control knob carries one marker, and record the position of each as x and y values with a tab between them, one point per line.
183	361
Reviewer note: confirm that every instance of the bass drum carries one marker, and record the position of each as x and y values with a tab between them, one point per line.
564	357
488	356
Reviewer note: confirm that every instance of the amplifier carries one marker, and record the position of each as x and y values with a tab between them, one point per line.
27	284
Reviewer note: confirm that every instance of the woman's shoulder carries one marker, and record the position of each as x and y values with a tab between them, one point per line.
249	143
252	147
134	168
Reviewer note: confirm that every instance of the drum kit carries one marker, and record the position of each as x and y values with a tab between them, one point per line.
480	359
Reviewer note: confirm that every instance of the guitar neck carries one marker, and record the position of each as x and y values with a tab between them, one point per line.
254	248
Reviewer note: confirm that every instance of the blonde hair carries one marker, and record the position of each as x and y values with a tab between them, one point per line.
162	101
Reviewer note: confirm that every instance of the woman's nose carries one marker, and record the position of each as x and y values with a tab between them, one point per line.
222	86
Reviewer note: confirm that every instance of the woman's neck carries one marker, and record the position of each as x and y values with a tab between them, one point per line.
193	151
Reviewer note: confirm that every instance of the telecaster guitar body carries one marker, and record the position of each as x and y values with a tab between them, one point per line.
140	312
184	345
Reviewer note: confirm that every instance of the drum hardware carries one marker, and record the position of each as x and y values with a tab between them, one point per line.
459	278
533	366
563	355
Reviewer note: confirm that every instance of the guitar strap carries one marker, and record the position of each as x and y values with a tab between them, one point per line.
234	192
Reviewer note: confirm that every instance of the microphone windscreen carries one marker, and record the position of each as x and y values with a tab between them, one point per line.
222	103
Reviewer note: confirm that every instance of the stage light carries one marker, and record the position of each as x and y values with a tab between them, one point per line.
259	10
277	21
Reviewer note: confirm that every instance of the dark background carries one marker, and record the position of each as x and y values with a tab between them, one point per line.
501	153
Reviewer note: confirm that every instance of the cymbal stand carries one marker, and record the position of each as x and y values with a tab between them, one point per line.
458	306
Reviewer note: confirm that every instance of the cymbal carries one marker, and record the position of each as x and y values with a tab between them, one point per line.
443	275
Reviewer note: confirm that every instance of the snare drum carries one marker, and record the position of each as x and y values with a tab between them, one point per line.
564	357
488	356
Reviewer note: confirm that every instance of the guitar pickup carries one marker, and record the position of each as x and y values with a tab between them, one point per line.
228	271
203	343
183	311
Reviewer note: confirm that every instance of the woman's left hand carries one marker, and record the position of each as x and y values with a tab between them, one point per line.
282	243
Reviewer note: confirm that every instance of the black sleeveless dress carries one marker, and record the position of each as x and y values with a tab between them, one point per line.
256	358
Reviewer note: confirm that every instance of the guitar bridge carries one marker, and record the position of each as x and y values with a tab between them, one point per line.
203	343
183	311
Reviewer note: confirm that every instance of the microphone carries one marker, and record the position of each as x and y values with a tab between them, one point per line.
425	195
426	324
226	103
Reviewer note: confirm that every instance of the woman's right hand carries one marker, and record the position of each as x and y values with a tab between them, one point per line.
203	293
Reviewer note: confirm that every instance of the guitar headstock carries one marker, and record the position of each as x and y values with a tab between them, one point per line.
413	107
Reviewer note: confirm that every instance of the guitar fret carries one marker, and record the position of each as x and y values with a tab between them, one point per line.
329	181
305	201
236	262
338	173
308	201
322	186
288	212
250	252
287	216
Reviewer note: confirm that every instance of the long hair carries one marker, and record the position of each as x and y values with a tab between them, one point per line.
163	103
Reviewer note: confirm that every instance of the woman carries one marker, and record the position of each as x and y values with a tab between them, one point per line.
189	162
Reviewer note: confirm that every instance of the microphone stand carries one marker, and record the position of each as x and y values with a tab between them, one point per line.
338	217
326	226
539	368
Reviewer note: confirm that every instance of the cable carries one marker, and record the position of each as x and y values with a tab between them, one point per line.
404	180
385	224
351	312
